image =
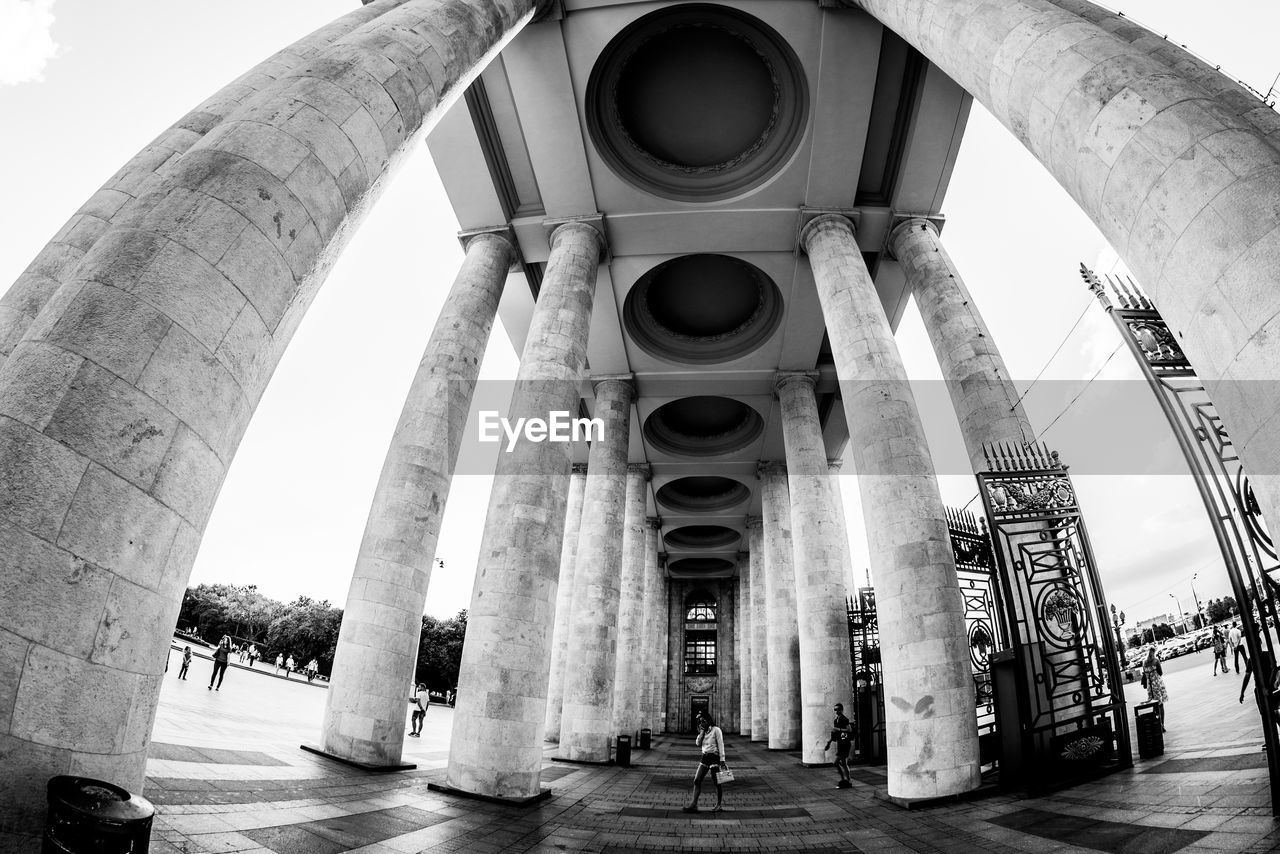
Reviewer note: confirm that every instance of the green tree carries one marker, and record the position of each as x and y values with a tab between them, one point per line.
440	651
306	629
1162	631
1221	609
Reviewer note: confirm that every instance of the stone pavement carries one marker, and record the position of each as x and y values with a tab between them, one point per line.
226	775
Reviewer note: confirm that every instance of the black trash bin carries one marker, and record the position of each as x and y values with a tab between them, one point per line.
646	736
93	816
1146	716
622	758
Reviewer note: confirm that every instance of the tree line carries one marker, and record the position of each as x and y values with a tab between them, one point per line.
307	629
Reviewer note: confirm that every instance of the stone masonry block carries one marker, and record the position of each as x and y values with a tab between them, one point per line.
38	478
107	326
188	477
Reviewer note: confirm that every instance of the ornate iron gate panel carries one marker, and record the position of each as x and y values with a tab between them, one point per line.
868	684
1071	717
1247	548
975	570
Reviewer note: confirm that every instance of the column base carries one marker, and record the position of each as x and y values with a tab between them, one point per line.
804	764
543	795
363	766
985	790
596	762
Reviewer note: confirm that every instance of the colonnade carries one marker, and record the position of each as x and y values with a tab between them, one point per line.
127	392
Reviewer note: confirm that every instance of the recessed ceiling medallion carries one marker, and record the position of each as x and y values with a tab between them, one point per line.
696	102
703	426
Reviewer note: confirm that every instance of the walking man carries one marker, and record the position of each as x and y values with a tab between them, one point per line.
1238	651
842	735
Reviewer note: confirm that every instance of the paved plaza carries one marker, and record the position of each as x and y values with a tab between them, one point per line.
226	774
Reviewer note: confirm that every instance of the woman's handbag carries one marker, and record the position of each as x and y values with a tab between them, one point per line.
725	775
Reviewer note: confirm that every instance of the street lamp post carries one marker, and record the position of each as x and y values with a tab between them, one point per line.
1178	612
1199	612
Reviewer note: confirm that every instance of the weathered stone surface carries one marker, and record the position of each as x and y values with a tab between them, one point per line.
95	493
742	640
783	632
928	686
1175	163
630	656
826	673
759	631
654	666
496	746
365	722
587	723
564	601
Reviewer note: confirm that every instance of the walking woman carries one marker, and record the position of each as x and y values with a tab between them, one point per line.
711	740
220	656
1153	681
1219	651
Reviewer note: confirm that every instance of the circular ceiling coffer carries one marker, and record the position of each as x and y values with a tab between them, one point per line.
702	309
703	426
701	537
700	566
696	102
702	494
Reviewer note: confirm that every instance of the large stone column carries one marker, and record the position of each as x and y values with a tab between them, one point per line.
124	403
931	730
630	654
655	628
742	634
1175	163
496	747
382	621
984	397
826	674
783	633
564	600
587	722
117	200
759	631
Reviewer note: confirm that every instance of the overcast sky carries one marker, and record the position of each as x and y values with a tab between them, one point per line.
84	84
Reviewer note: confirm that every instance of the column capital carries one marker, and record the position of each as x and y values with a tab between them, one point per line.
501	233
755	522
640	468
547	10
904	223
781	378
834	466
654	522
627	381
662	559
578	468
814	221
768	467
741	556
591	225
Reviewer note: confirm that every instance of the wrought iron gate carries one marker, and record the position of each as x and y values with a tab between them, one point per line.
868	684
975	570
1062	713
1247	548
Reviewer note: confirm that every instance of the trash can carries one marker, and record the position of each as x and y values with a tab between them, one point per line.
622	758
93	816
1146	717
646	736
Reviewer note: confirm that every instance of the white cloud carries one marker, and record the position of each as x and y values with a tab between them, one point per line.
26	40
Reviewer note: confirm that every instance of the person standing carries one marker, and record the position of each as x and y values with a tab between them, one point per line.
253	654
289	666
1153	681
186	663
418	702
842	735
220	657
1235	641
312	669
1219	651
711	740
279	663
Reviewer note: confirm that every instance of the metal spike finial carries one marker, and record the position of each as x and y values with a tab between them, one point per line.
1142	294
1130	299
1093	283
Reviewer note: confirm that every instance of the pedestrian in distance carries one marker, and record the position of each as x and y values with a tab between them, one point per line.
279	664
711	740
1236	641
418	702
220	657
1219	651
312	669
289	666
842	736
1153	681
186	663
253	654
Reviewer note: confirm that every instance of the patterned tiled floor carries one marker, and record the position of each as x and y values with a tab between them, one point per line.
226	775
